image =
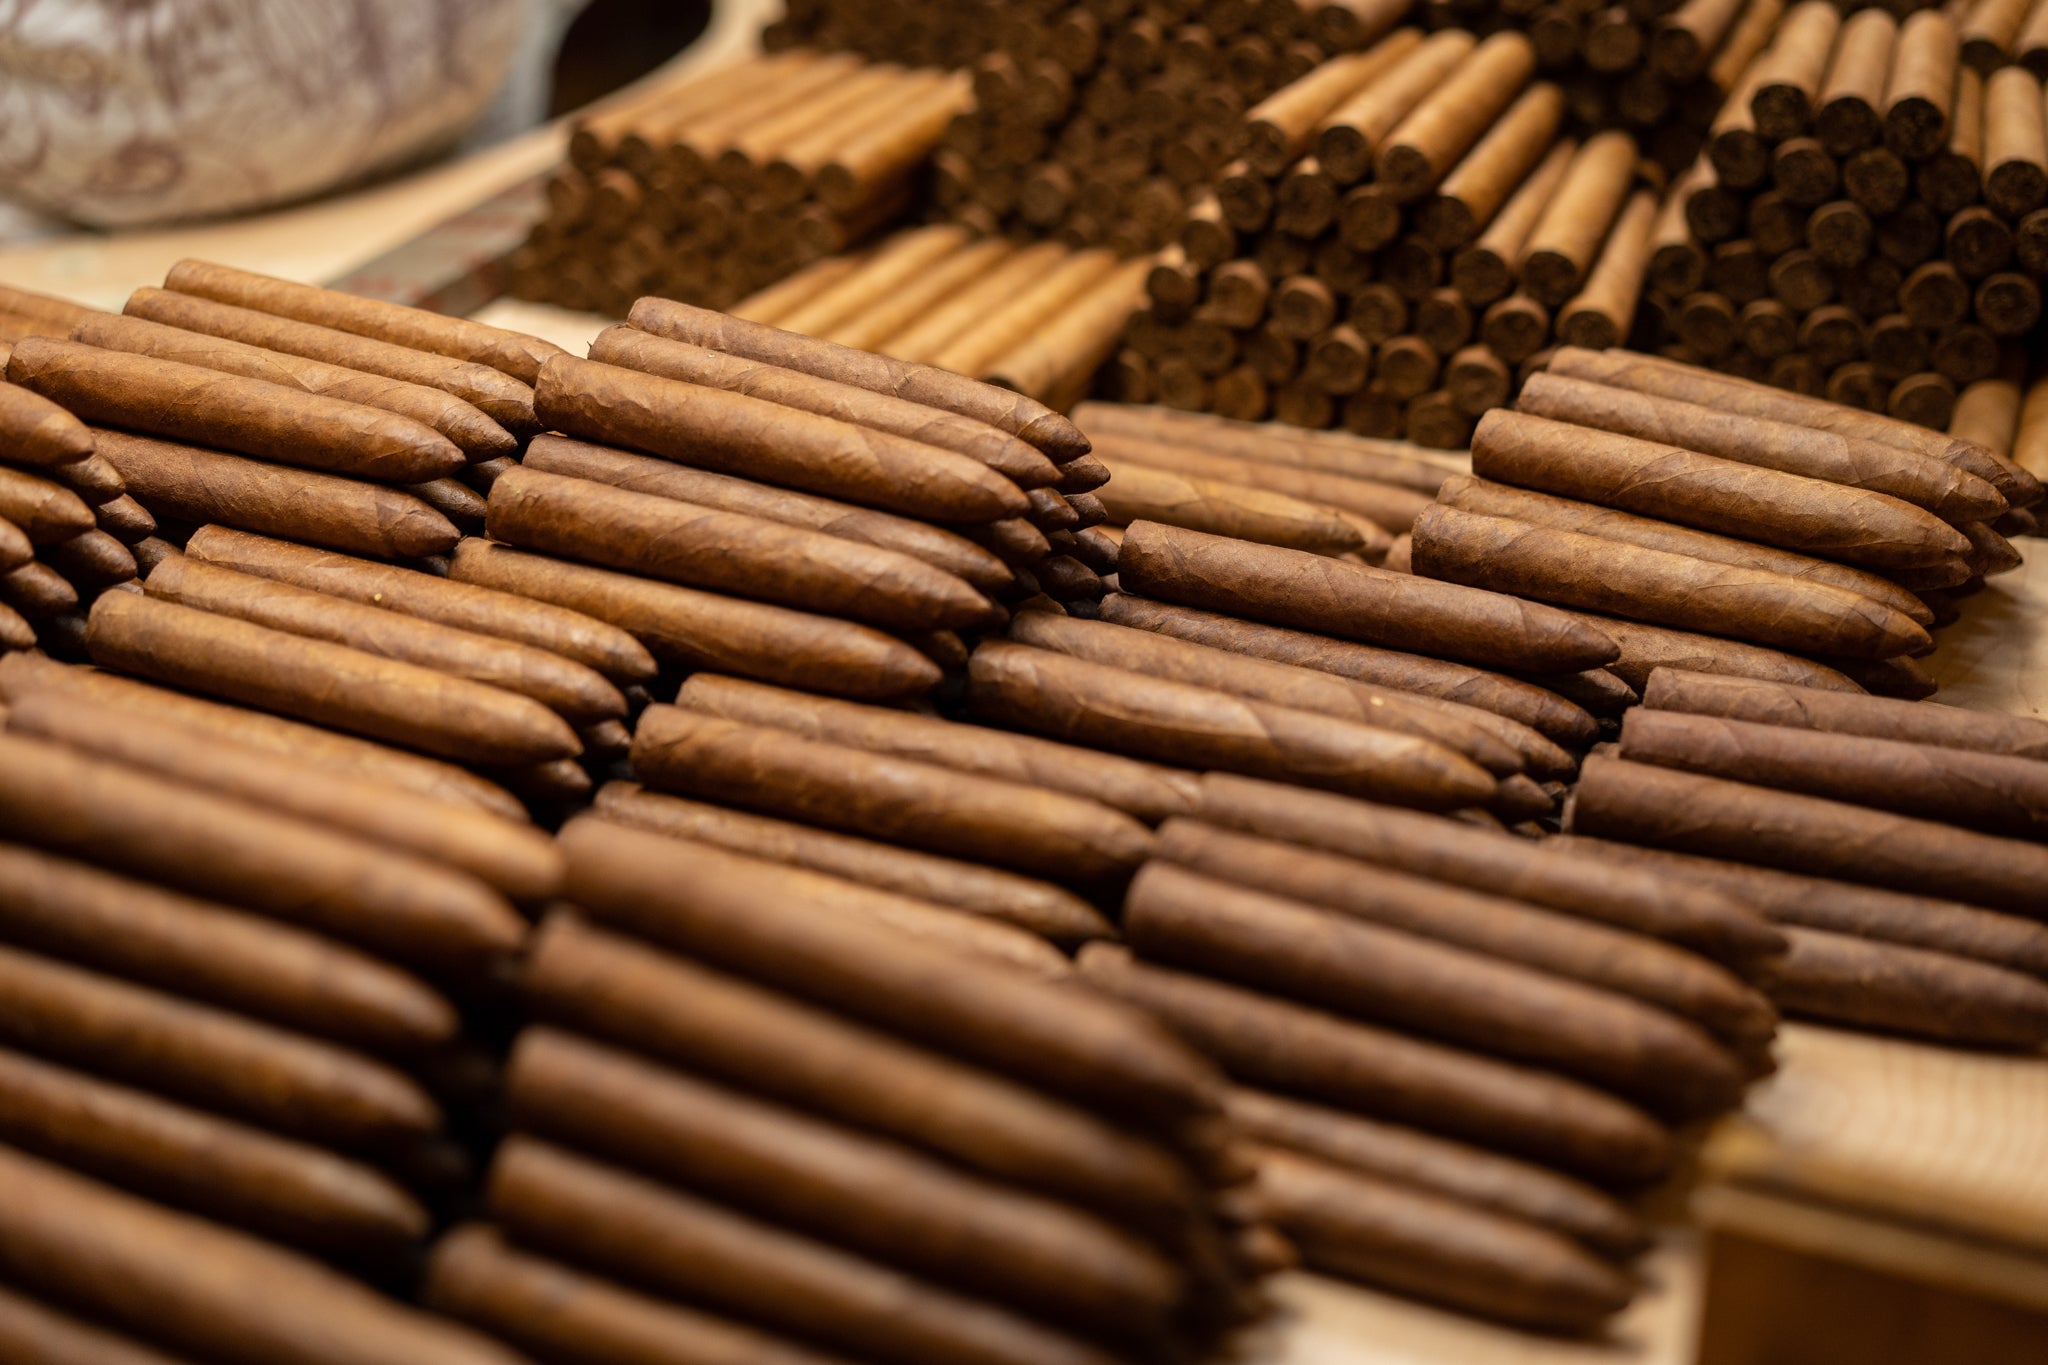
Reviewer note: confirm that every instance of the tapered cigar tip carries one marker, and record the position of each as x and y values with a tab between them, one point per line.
1057	437
418	530
65	437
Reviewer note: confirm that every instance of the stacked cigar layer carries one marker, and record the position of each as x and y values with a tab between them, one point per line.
1867	222
953	34
1731	527
759	1121
1097	122
232	951
709	188
1403	231
1899	846
1038	318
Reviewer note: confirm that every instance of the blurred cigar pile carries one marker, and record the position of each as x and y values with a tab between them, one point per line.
1899	847
956	33
1715	524
754	1123
709	188
1039	318
1404	230
1868	220
236	954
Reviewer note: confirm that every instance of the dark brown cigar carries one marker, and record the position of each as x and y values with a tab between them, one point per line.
1081	701
38	592
92	561
1592	573
461	422
1627	963
542	1306
578	694
710	903
823	1180
324	683
1791	511
1636	803
1489	740
37	1334
1645	648
706	630
184	1280
1951	493
1704	921
497	395
1672	689
1148	792
127	520
1309	592
15	549
198	485
1038	906
1989	792
35	431
1385	1233
1907	990
1277	1045
1138	492
15	631
1389	506
723	1027
20	675
283	1081
1518	701
210	953
593	1214
44	512
297	1193
1330	452
1471	1175
461	606
387	901
663	478
92	478
1023	417
250	416
516	353
514	857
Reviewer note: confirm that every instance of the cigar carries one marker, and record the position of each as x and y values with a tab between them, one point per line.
1907	990
1489	268
56	315
1868	912
1846	115
1143	493
1328	452
1874	717
38	592
515	353
1046	1032
2015	144
1440	1249
1790	511
1385	506
1349	136
1532	706
16	550
1280	129
1561	247
512	857
203	486
1143	790
35	1331
1081	701
1591	573
707	630
825	1064
248	416
1989	792
1951	493
1022	417
497	395
880	319
1637	803
23	675
1706	922
1480	184
1452	116
35	431
542	1306
1058	361
1603	311
44	513
1921	86
92	562
1390	1076
1038	906
897	262
93	479
1646	648
914	344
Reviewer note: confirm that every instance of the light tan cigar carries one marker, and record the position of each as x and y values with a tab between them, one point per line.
1057	362
1383	505
497	395
1603	311
1143	790
1637	803
1500	500
515	858
1476	187
1949	727
21	675
44	512
898	262
515	353
1048	1032
1277	1044
37	1334
1350	135
1562	245
1907	990
880	152
1000	330
785	296
662	478
1989	792
198	485
880	319
184	1280
706	630
950	318
1138	492
1079	700
1280	128
1646	648
1331	452
1426	143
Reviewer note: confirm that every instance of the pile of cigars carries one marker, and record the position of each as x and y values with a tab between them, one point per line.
709	187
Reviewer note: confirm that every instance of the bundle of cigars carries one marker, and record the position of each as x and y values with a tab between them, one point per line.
707	188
